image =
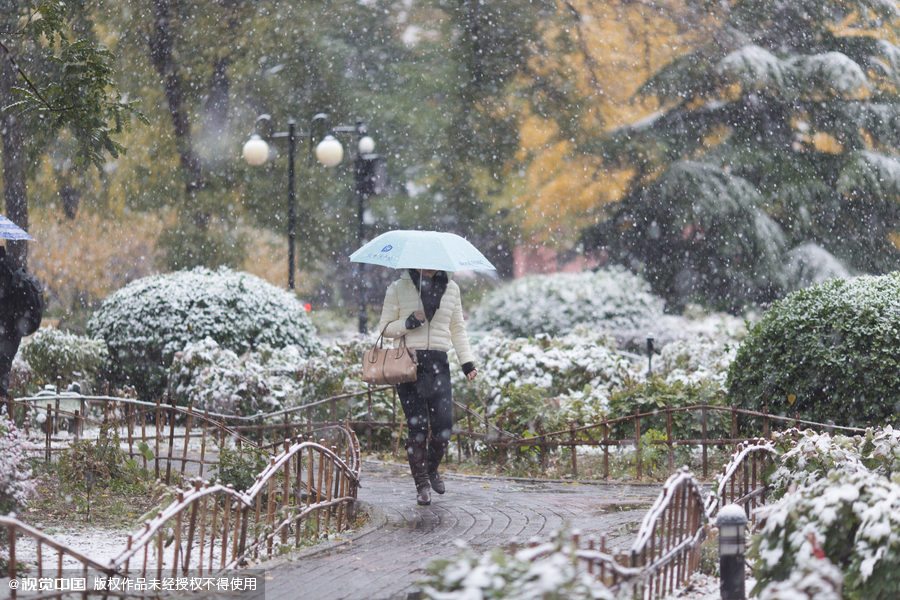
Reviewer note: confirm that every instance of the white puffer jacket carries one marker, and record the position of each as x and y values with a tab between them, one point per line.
446	330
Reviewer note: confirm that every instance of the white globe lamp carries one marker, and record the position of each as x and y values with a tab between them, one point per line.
329	152
366	145
256	151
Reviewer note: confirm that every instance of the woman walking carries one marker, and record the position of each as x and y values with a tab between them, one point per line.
424	305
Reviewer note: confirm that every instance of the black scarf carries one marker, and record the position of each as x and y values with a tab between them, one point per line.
431	290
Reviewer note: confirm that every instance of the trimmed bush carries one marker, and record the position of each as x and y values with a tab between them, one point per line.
145	323
613	300
828	352
57	356
583	362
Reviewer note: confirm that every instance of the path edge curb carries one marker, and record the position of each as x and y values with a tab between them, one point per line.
377	520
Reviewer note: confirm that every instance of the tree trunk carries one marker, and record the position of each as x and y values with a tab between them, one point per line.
13	159
161	46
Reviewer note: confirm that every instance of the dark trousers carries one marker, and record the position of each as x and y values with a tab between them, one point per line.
8	347
428	400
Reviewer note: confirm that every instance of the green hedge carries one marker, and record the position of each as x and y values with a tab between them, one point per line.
828	352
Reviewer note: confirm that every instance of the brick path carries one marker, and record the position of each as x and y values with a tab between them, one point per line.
385	559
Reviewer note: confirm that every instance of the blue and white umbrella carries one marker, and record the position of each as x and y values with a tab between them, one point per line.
405	249
11	231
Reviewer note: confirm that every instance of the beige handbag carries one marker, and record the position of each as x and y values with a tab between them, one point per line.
389	366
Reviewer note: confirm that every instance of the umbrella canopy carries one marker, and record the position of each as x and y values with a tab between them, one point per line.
404	249
11	231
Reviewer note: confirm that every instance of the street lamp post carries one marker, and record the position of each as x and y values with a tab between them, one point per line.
329	152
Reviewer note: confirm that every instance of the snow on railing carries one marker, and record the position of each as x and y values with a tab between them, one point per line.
213	528
137	422
741	481
667	547
665	553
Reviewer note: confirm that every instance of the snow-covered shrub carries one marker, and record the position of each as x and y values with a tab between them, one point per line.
809	264
826	352
546	572
20	375
269	379
807	456
55	356
216	379
612	300
145	323
575	371
852	519
16	483
697	358
813	578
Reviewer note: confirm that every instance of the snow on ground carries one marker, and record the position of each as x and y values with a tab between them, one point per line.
102	546
702	587
706	587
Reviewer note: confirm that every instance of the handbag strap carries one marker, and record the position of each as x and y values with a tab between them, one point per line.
379	343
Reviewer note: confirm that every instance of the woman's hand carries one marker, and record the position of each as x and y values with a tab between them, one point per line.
472	374
420	316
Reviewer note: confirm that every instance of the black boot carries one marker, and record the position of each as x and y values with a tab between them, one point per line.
435	454
418	463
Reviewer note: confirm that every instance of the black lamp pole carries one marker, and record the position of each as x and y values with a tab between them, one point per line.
360	238
292	232
369	179
292	134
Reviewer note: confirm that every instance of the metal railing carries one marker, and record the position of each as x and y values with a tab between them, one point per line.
742	480
304	492
154	423
667	548
666	551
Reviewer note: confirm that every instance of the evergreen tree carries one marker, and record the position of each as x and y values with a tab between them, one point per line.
780	131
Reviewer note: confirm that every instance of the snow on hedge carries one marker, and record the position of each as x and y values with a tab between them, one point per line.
853	519
582	366
148	321
704	352
579	371
807	456
838	514
813	578
16	483
612	299
264	380
827	352
56	356
546	572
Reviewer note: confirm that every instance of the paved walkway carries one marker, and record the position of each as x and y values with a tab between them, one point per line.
385	559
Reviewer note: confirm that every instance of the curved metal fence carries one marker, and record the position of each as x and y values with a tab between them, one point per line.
307	490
